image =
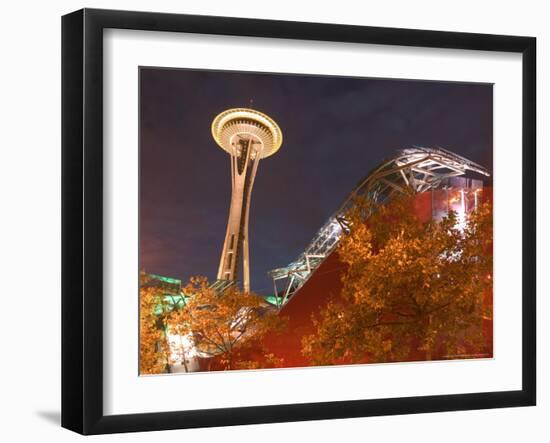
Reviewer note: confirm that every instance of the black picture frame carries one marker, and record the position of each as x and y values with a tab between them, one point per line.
82	219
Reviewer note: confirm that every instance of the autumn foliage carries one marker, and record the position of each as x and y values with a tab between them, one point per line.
227	327
153	349
410	287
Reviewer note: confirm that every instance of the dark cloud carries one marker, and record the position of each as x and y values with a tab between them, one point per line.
335	131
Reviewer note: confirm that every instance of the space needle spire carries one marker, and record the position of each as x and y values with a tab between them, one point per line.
247	136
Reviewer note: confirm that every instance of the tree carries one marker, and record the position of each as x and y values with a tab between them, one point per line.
229	326
409	286
153	349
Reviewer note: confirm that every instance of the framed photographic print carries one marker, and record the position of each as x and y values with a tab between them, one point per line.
269	221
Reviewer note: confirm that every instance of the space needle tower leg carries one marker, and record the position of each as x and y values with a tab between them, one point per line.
244	164
246	256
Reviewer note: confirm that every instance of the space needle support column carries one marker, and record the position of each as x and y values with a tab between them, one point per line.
248	136
233	244
246	256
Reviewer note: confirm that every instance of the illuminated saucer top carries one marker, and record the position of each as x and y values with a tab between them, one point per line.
243	123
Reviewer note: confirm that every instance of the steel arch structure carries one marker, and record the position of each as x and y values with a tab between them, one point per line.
416	169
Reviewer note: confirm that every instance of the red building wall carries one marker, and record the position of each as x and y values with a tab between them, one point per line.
324	284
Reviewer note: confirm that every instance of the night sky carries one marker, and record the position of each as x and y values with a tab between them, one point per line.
335	130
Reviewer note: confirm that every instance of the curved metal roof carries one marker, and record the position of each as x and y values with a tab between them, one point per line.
419	169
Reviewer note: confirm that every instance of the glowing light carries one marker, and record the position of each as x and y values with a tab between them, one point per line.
242	120
460	210
173	281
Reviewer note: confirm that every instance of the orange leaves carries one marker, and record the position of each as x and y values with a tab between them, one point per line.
227	326
152	344
407	282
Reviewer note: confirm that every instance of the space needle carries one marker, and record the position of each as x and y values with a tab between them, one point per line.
247	136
